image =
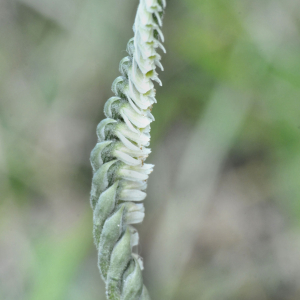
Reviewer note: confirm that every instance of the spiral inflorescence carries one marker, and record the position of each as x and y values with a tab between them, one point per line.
119	172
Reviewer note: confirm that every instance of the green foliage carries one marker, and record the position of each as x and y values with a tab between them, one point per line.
57	260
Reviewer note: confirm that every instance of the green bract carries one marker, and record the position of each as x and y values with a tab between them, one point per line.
119	172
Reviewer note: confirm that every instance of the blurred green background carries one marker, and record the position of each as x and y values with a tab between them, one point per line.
223	207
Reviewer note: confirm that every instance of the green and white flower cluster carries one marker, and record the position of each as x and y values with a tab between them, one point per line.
119	172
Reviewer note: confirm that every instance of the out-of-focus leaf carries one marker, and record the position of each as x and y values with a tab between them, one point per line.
58	258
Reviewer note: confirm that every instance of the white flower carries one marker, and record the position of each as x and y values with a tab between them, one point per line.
135	213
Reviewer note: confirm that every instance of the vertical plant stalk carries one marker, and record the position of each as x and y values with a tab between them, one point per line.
119	172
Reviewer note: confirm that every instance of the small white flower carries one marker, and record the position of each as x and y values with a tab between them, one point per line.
132	175
132	195
135	213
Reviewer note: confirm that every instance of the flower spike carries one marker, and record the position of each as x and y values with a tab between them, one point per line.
119	172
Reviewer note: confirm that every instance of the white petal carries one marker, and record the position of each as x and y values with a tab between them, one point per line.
142	154
147	45
158	18
132	195
147	129
143	35
133	105
127	159
150	116
152	5
155	78
135	217
161	46
158	63
145	169
128	123
126	142
134	95
141	185
139	138
145	65
135	213
160	34
132	175
135	118
143	16
141	82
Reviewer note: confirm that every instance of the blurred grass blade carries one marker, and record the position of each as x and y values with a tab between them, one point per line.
57	261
